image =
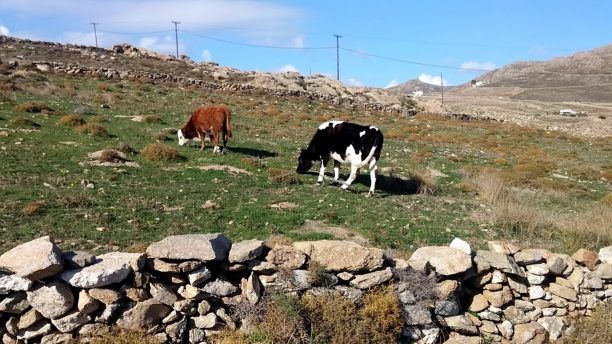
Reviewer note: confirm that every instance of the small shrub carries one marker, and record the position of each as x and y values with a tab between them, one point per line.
152	119
111	155
490	187
24	123
317	275
423	286
281	176
169	131
98	119
34	208
161	137
160	152
71	120
334	319
103	87
75	201
607	200
595	329
283	320
426	184
272	110
254	162
32	107
275	240
124	148
381	315
92	129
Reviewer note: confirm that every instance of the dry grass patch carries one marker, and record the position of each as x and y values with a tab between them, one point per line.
596	329
24	123
607	200
251	161
230	337
98	119
394	134
161	137
75	201
120	336
160	152
277	175
425	183
32	107
34	208
93	129
283	320
71	120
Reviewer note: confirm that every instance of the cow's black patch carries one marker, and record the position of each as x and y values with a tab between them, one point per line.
336	137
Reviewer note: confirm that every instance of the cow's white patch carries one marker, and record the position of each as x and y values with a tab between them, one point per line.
373	127
326	124
362	133
181	138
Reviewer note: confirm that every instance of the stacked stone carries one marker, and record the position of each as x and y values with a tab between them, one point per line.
510	295
183	288
180	290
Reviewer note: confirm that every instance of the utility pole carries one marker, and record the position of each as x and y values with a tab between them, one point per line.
95	32
176	36
337	56
442	90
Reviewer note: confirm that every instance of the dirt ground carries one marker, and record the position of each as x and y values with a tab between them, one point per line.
497	103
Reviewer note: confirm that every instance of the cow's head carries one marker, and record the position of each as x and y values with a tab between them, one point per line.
305	161
181	137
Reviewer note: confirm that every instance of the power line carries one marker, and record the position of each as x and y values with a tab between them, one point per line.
413	62
255	45
176	35
136	33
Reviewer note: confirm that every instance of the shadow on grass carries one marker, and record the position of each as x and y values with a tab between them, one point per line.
386	185
258	153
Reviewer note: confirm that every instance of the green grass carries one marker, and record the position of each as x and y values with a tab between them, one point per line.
129	206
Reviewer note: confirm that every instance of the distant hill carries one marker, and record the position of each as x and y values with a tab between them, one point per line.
411	86
584	76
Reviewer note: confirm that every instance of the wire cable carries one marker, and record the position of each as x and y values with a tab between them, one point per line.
255	45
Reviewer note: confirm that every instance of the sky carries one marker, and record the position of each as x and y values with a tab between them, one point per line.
383	43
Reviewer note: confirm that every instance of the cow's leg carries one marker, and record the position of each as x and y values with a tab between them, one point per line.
322	172
201	136
373	168
216	141
351	177
336	171
224	142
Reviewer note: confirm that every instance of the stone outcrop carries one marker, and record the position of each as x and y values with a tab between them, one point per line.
185	288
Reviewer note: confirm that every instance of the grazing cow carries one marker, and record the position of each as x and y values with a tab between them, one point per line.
346	143
213	121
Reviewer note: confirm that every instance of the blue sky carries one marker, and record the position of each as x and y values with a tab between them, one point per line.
470	34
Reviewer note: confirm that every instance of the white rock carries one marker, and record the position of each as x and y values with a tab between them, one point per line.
461	245
108	269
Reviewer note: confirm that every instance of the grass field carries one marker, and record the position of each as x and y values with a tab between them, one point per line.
481	180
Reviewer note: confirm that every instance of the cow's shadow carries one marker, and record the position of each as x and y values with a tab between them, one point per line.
385	185
258	153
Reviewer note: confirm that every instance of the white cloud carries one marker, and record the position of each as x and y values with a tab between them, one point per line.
298	41
288	68
354	82
433	80
4	30
206	55
392	83
478	65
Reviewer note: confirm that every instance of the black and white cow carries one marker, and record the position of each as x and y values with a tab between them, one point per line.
345	143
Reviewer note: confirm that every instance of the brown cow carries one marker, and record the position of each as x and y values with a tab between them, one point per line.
207	120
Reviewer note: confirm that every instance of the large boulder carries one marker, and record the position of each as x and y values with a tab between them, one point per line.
532	333
203	247
35	260
245	250
52	300
371	279
586	257
108	269
336	255
499	261
143	315
445	260
10	283
286	257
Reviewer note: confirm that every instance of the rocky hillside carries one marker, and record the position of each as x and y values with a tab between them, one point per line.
585	76
125	61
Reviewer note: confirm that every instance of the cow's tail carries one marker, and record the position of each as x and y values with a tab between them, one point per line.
228	127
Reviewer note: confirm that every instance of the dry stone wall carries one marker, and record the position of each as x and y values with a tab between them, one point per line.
182	288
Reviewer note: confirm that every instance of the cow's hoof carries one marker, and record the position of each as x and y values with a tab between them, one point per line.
369	194
335	182
319	184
